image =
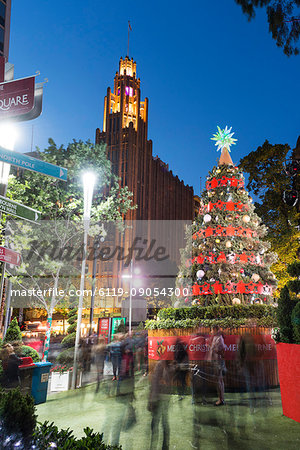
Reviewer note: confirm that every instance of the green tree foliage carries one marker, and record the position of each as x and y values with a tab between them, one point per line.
13	333
26	350
121	327
294	271
296	323
57	199
284	313
267	181
17	415
46	248
283	19
47	435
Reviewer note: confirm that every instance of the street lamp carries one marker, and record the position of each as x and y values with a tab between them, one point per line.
88	179
96	247
8	136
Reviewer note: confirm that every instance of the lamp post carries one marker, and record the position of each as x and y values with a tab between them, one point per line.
88	180
8	136
96	247
130	276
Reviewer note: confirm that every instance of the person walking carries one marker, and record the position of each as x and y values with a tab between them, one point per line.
99	358
158	404
216	356
116	356
181	359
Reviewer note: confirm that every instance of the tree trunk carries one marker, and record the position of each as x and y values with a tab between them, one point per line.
2	300
49	320
47	338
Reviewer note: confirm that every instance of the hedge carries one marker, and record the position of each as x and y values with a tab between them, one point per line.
68	341
66	356
223	315
47	435
228	322
26	350
218	311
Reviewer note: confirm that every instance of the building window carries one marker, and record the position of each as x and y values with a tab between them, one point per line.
129	91
1	39
2	14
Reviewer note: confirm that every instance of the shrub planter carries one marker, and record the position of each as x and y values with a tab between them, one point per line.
288	359
161	343
61	381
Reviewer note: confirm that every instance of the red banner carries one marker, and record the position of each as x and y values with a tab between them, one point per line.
225	231
224	181
232	258
198	347
231	288
229	206
16	97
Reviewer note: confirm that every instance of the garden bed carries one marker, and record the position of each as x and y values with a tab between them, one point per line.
234	322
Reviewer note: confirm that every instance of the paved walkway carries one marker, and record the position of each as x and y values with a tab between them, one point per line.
191	426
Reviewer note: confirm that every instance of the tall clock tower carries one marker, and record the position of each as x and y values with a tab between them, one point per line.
158	193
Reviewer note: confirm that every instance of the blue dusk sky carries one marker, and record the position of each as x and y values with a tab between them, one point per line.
201	64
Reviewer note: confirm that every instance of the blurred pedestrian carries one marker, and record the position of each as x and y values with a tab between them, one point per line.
99	358
200	373
146	360
10	365
86	353
116	355
158	404
216	356
181	359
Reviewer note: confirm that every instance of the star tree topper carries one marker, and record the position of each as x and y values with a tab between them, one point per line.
224	138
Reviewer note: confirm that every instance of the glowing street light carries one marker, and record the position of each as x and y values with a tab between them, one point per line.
89	180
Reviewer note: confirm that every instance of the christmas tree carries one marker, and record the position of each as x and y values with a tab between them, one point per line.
225	260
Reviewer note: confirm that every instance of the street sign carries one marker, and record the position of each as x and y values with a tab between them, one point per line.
9	256
30	163
16	209
16	97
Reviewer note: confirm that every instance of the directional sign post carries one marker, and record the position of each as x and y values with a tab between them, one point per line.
9	256
16	209
29	163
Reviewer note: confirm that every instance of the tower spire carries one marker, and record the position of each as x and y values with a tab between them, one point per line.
129	29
